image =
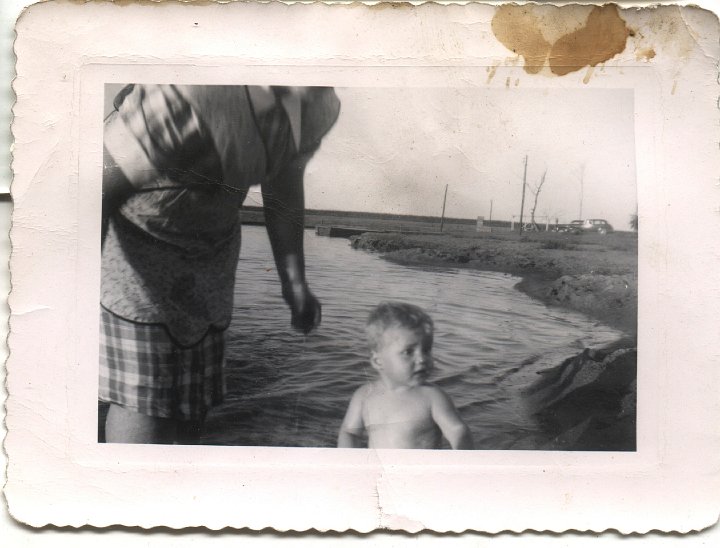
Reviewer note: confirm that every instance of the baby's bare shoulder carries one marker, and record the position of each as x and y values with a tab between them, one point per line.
431	389
364	391
433	392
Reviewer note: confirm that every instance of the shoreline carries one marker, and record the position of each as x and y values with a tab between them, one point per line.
594	282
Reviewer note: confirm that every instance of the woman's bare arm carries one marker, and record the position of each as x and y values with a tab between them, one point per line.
284	206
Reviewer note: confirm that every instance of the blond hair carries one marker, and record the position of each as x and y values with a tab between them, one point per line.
396	314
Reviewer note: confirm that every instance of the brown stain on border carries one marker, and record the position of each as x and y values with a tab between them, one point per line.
386	5
645	53
519	30
603	36
491	73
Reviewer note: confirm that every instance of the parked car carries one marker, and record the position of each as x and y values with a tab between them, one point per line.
575	227
601	226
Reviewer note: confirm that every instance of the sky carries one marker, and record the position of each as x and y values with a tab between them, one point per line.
393	150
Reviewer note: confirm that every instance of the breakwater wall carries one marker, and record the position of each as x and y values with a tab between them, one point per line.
381	221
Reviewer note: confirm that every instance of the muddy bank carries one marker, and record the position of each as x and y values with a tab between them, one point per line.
596	276
588	401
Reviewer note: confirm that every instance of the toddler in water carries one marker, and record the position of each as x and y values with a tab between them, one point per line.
400	409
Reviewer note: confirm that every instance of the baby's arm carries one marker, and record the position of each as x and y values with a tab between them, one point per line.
353	426
446	417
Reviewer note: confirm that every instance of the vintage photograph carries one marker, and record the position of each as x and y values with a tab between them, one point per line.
356	268
383	267
331	268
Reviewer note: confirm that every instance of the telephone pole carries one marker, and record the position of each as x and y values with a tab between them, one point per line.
442	217
582	177
522	202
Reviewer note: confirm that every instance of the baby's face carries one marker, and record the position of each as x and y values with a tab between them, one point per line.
404	357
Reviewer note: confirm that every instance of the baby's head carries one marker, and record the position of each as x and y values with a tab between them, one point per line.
400	336
396	314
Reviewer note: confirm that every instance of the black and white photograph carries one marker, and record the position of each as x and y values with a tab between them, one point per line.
420	268
328	268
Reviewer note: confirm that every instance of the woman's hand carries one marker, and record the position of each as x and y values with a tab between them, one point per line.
283	205
306	312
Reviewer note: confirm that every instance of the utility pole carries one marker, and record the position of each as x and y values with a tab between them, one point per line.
490	219
582	177
522	202
442	217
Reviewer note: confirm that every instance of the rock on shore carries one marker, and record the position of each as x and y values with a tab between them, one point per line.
588	403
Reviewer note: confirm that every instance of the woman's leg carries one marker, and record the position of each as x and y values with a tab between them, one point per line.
126	426
138	365
189	432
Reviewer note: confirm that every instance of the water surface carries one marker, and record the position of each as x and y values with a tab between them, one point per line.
286	389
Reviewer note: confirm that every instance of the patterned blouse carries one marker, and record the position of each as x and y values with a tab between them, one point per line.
191	152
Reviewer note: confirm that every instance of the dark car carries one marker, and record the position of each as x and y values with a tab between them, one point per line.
601	226
575	227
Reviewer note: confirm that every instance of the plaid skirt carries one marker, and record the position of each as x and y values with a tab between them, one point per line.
143	369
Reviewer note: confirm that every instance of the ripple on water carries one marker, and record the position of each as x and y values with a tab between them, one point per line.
286	389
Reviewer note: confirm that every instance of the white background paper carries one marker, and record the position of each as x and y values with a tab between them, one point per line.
22	536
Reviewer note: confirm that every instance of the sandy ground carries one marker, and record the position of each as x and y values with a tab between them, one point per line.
588	402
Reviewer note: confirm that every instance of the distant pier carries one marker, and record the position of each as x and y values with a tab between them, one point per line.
334	231
344	224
